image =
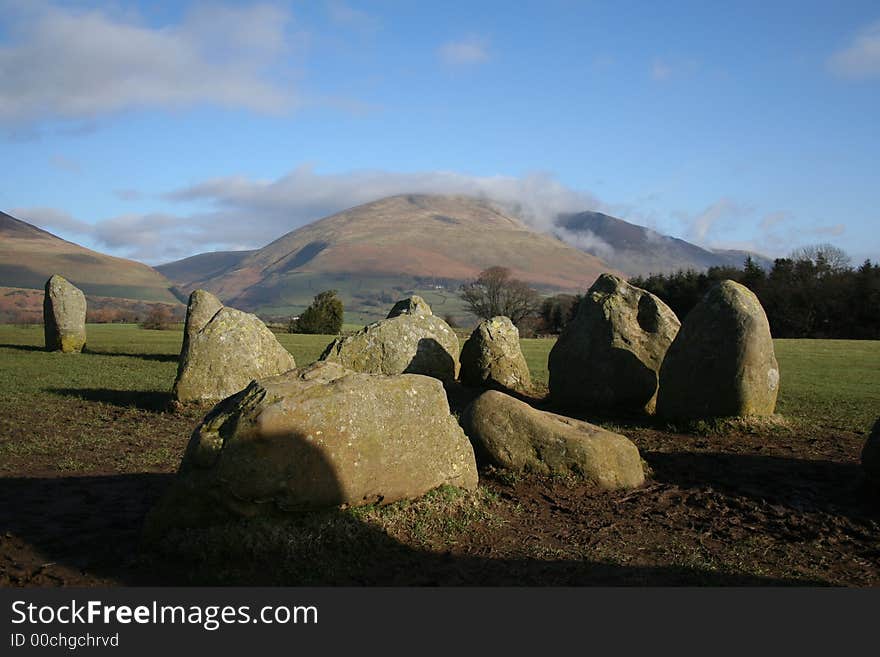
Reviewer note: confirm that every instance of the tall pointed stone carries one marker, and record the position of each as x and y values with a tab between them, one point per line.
722	363
64	316
224	350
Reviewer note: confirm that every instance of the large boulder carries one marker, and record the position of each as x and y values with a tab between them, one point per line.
414	305
64	316
405	344
223	351
318	437
722	363
511	434
609	355
871	455
492	357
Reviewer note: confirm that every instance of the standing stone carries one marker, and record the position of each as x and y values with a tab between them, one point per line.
415	305
513	435
492	356
64	316
722	363
223	351
609	355
871	455
318	437
405	344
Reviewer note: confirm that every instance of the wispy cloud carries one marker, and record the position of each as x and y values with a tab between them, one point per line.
127	194
471	50
344	14
705	226
62	62
861	58
63	163
660	70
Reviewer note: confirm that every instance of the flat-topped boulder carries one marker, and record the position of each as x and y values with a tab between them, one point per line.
510	434
609	355
318	437
492	357
405	344
223	351
722	363
64	316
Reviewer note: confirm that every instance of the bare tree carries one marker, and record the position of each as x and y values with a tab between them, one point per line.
496	292
823	256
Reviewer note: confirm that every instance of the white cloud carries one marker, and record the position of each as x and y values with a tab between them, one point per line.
66	63
861	58
470	50
245	213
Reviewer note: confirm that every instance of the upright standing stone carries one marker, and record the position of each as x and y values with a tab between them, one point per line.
609	355
722	363
64	316
224	350
492	357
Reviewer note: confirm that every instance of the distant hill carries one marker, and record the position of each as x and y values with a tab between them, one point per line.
637	250
375	253
201	267
29	256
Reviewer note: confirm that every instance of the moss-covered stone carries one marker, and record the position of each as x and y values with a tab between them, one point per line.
414	305
722	363
224	350
492	357
406	344
609	355
318	437
64	316
511	434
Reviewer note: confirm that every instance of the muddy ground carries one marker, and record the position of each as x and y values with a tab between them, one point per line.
770	506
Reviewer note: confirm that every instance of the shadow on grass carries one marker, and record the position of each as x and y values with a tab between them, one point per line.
87	530
162	358
147	400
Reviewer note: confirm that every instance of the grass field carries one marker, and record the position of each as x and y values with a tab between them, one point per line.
88	443
833	382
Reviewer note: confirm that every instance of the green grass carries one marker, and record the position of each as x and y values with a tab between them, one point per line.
832	382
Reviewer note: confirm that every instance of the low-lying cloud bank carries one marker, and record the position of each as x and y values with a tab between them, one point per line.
241	213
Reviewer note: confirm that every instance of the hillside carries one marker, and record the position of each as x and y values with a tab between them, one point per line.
200	267
29	256
376	252
637	250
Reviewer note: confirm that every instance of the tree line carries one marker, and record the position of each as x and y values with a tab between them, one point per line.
813	293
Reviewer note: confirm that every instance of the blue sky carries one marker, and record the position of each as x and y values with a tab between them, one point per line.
156	131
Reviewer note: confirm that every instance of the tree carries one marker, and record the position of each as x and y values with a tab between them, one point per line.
159	319
496	292
557	311
826	258
324	315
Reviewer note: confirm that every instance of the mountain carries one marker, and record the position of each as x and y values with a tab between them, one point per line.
29	256
377	252
637	250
